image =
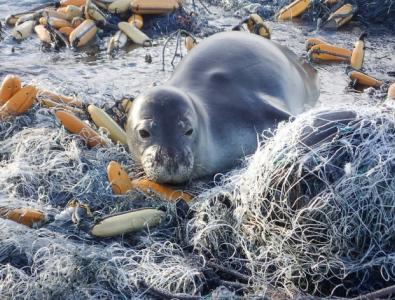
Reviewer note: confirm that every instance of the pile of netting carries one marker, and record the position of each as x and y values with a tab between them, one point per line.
300	218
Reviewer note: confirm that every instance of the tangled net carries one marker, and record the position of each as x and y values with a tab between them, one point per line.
298	219
313	219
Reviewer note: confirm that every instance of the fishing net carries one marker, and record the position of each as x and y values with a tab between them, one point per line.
298	219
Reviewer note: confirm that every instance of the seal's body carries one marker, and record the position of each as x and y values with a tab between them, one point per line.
226	92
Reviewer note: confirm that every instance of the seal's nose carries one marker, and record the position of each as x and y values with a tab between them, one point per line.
168	164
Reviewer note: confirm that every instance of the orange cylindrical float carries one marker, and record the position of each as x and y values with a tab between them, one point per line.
10	85
326	52
75	125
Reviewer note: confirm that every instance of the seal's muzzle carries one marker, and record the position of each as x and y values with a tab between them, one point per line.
167	164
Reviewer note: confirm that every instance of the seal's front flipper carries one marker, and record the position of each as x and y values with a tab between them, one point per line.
325	126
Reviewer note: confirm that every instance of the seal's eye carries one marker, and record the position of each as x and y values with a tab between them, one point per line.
144	133
189	132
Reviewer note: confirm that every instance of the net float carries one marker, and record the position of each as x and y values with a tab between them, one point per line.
255	24
55	22
75	125
83	34
66	31
126	104
136	35
26	216
119	6
19	103
73	11
121	184
93	12
10	86
293	10
23	30
155	7
72	2
58	98
52	104
118	178
127	222
103	120
329	53
43	34
340	17
120	40
77	21
312	42
56	14
11	20
190	42
358	53
136	20
28	17
364	79
391	92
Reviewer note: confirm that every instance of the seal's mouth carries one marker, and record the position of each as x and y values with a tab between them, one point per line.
167	165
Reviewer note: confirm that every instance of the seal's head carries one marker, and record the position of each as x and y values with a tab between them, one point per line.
162	133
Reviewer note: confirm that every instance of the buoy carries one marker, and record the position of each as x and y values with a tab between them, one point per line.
110	45
293	10
103	120
93	12
72	2
391	92
156	7
77	21
52	104
328	53
126	105
61	99
190	42
73	11
28	17
120	40
23	30
19	103
312	42
164	192
136	20
56	14
331	2
256	25
10	86
118	178
66	31
55	22
75	125
364	79
83	33
121	184
133	33
119	6
43	34
103	3
126	222
25	216
340	17
358	53
11	20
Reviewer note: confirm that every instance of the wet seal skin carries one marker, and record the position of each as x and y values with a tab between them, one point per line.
225	92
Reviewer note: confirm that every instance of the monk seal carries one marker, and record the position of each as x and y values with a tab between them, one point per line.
208	115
